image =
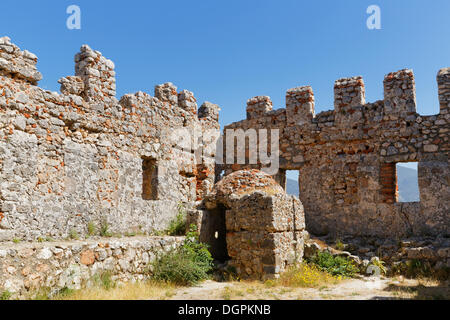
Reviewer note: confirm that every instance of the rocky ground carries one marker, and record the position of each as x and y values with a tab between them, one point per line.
419	256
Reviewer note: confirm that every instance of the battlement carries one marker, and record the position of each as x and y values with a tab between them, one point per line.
94	81
91	157
443	80
400	92
347	157
258	106
349	92
98	75
299	105
349	96
17	64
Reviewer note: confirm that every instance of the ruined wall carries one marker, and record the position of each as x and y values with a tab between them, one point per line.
27	267
265	227
83	157
346	157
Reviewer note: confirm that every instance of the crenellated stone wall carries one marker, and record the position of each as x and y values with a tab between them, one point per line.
347	157
81	161
81	157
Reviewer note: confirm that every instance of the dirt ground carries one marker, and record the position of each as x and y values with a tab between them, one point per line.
351	289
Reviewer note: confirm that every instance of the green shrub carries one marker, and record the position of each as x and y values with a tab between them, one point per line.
335	265
417	268
380	265
177	227
185	265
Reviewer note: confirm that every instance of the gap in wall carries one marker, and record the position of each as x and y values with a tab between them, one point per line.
292	186
408	182
149	179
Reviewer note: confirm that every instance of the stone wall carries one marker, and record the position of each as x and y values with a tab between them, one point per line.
83	157
347	157
26	268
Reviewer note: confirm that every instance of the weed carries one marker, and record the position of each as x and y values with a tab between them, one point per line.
5	295
380	265
185	265
340	245
226	295
64	292
335	265
177	227
43	293
104	229
73	234
92	229
104	280
304	275
417	268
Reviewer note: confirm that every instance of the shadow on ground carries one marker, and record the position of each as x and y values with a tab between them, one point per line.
435	291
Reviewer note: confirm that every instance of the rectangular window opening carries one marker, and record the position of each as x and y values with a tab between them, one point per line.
407	182
149	179
292	184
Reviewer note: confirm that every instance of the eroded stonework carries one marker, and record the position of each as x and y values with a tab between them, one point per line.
83	157
264	226
347	157
27	267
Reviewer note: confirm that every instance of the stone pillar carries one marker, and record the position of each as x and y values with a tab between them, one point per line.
98	76
349	95
299	106
349	92
443	80
209	111
208	115
400	93
258	106
187	101
167	92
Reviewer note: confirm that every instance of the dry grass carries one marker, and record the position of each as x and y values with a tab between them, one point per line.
300	276
128	291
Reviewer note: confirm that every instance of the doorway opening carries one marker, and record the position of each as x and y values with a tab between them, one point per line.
215	233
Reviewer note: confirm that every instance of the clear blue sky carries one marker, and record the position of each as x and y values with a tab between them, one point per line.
228	51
